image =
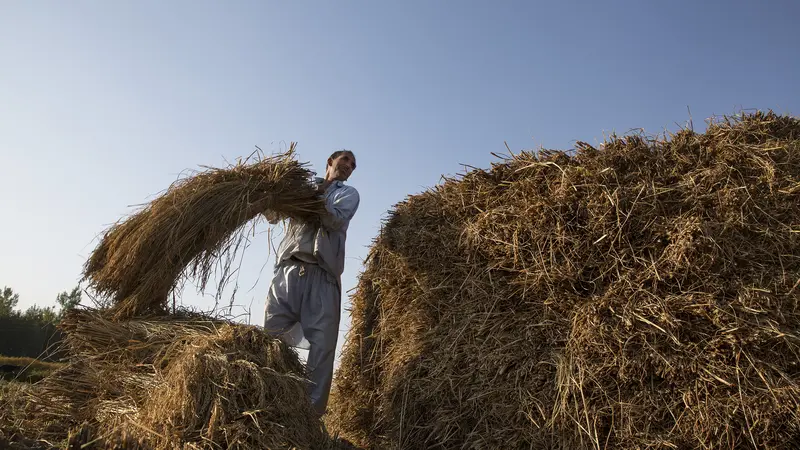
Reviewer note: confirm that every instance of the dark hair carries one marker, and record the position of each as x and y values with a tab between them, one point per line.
339	153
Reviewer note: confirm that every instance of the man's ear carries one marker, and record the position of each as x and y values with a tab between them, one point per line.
330	161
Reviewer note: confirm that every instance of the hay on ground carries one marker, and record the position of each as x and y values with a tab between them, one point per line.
640	295
197	225
12	401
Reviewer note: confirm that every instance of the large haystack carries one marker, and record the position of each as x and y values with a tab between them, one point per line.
640	295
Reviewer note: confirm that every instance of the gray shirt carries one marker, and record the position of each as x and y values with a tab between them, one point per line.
323	245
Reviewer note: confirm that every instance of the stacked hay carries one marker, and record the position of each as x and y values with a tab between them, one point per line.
641	295
185	381
138	377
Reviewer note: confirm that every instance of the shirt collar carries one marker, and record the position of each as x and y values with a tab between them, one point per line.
336	183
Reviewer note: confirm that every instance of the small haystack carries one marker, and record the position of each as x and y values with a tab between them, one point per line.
641	295
176	382
197	225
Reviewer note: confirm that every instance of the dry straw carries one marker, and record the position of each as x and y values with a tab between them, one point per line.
639	295
194	230
176	382
12	403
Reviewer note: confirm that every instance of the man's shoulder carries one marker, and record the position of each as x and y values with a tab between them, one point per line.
347	189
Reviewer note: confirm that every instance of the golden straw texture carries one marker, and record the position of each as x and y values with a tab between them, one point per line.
195	227
177	382
639	295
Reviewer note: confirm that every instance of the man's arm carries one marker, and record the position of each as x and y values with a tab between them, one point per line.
341	207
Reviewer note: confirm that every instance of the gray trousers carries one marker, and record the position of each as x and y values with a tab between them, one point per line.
305	296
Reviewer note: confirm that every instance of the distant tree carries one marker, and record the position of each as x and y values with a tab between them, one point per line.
8	301
44	315
68	301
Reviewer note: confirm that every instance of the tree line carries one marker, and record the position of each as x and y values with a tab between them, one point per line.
65	301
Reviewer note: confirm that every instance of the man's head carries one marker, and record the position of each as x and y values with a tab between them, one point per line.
341	165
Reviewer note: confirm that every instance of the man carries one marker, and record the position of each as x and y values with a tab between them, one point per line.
305	296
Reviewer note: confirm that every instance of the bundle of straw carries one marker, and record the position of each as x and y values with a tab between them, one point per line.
197	225
176	382
640	295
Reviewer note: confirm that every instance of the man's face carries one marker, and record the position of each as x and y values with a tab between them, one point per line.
342	167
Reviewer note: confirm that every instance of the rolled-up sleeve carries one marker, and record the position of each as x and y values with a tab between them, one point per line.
341	206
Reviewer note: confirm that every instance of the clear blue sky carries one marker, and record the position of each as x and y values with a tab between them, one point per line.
104	103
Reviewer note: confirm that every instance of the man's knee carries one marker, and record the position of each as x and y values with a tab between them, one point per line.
276	323
324	338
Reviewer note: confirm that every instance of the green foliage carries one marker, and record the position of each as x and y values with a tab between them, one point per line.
8	301
68	301
45	315
65	301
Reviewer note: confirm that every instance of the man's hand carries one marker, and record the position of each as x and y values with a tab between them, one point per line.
323	187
